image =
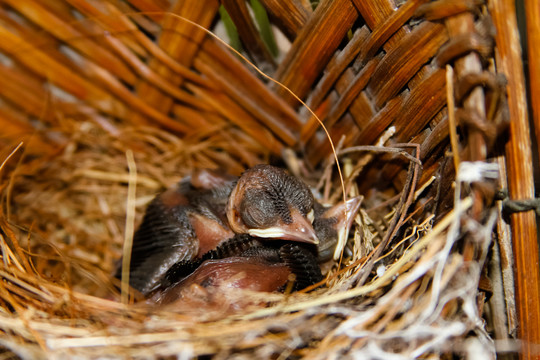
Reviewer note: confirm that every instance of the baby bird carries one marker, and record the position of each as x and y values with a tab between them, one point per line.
195	216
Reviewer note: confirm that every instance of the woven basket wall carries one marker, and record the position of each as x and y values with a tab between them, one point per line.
85	83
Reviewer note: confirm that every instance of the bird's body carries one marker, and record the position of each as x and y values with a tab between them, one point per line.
202	211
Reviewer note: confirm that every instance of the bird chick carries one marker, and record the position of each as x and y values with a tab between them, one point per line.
204	210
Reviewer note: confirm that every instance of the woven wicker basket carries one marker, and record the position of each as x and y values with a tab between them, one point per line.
105	103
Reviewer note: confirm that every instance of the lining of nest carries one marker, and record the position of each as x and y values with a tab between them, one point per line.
63	224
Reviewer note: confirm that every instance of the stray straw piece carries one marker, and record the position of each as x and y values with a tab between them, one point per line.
130	225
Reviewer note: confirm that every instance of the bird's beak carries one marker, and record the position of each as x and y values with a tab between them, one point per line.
300	229
345	213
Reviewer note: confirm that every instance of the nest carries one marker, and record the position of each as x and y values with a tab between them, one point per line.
106	104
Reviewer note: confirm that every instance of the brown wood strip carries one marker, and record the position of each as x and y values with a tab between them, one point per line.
33	37
248	32
63	74
323	111
144	72
248	103
59	74
312	124
289	16
415	114
320	147
151	7
143	22
351	93
380	122
238	116
250	152
15	126
422	104
438	135
375	12
398	66
337	66
533	39
520	178
192	118
181	41
118	23
310	54
104	18
246	78
361	110
25	91
442	9
69	34
388	27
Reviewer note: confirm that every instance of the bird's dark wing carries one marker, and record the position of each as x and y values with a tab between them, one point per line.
302	263
235	246
165	236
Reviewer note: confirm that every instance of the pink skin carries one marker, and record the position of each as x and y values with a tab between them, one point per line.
215	278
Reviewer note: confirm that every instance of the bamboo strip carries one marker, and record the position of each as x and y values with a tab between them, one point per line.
243	77
102	16
151	6
26	92
375	12
388	27
69	34
140	20
356	85
520	178
118	23
309	54
248	104
533	38
57	73
337	66
290	16
237	115
251	39
398	66
181	40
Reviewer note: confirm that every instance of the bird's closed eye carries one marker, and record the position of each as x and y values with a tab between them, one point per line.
258	217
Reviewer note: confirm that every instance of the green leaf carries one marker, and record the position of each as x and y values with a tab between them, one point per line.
265	29
230	28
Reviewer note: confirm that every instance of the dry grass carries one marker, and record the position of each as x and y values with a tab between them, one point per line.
65	228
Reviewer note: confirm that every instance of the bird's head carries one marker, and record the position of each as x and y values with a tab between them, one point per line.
269	203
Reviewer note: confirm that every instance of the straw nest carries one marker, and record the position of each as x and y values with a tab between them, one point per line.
104	104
